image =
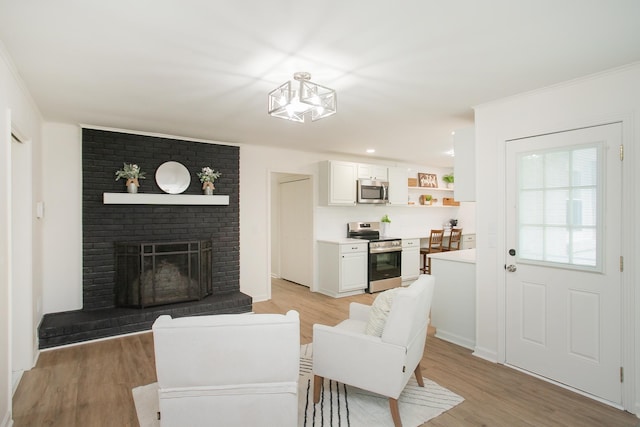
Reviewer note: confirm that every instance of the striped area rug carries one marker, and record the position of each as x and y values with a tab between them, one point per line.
343	405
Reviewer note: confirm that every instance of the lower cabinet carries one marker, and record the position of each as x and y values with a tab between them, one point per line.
342	268
468	241
410	259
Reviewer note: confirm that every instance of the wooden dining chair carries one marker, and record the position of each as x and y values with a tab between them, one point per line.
454	239
435	245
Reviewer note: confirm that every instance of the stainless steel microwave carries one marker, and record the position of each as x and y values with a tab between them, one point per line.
372	191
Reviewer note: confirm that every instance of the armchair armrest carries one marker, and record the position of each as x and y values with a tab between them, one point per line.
359	311
338	354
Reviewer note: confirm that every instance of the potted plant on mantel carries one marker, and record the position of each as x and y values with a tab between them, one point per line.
207	177
132	173
449	179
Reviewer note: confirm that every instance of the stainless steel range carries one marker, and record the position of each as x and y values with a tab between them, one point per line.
385	255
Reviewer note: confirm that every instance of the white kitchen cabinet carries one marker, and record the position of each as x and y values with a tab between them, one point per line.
464	164
338	183
375	172
468	241
343	268
398	190
410	259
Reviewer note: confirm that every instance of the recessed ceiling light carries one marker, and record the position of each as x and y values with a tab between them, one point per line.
370	150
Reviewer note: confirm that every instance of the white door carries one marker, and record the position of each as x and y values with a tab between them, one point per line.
296	231
563	280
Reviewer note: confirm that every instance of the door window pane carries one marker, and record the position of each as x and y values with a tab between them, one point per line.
558	206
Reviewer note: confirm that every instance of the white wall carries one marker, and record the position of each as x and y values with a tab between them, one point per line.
603	98
62	238
17	110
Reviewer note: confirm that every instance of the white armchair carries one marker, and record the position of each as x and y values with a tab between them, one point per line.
228	370
384	364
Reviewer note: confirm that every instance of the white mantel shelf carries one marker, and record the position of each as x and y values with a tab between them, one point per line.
163	199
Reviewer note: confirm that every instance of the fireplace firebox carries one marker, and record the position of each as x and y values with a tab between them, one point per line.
150	274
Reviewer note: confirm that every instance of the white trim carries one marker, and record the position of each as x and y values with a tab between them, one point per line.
566	387
16	377
560	85
157	135
8	60
8	420
486	354
455	339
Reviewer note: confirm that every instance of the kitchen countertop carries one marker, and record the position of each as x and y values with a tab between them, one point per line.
464	255
342	241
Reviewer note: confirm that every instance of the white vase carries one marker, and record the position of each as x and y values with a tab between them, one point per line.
384	229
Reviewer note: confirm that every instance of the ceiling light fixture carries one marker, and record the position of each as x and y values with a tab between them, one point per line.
309	99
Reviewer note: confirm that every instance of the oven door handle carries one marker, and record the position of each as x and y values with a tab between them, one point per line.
384	250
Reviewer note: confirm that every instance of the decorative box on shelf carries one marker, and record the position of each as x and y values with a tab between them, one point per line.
449	201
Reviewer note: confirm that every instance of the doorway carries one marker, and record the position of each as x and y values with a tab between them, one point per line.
563	278
292	228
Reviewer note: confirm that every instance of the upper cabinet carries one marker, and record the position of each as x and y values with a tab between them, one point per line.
373	172
398	190
465	167
338	183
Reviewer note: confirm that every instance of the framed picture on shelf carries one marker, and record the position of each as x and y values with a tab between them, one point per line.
429	180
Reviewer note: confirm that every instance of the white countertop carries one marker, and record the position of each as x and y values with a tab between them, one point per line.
342	241
464	255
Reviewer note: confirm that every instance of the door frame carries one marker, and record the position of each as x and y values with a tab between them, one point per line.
628	309
273	237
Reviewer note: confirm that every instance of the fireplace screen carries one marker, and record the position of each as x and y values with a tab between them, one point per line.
149	274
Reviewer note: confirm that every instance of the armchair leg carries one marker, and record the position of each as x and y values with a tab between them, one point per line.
418	373
317	386
395	412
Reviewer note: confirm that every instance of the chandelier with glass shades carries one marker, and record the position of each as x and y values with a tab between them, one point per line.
297	103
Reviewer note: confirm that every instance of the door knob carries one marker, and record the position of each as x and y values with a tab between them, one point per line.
511	268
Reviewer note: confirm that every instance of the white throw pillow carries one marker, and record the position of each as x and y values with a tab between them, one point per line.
379	312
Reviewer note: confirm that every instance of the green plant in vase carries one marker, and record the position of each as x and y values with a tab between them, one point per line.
449	179
207	177
132	173
385	223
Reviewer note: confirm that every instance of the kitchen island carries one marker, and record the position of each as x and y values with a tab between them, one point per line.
453	312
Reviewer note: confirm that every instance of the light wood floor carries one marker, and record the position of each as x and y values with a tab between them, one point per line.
90	384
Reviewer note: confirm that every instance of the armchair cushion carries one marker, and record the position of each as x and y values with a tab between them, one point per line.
379	312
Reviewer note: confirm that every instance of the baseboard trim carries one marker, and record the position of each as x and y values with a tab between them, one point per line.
485	354
7	421
455	339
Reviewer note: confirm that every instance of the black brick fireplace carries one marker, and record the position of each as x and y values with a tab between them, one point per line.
105	225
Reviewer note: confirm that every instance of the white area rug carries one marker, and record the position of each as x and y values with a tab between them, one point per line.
341	405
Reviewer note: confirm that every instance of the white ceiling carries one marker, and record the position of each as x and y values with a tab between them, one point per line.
407	73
